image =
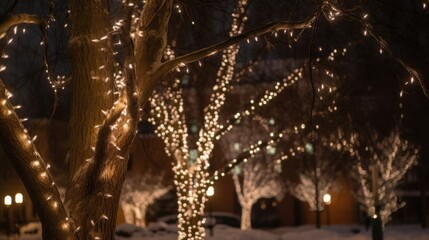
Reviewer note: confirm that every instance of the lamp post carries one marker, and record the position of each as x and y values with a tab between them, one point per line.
210	193
7	203
377	226
327	200
19	199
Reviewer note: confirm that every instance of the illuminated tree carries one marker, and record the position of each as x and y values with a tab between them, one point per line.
105	109
191	169
320	159
378	171
115	51
255	180
138	192
305	189
259	176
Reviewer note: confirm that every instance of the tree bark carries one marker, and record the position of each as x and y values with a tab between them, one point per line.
150	42
16	19
92	70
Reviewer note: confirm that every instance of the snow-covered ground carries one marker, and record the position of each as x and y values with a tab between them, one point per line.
162	231
337	232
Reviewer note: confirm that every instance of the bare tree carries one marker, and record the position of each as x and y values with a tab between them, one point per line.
253	181
379	168
304	189
320	156
138	192
259	176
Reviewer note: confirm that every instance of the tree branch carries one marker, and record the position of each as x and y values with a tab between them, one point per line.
383	44
33	172
14	20
205	52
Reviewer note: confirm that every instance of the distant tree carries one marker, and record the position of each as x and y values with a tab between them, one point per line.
320	156
138	192
259	176
304	189
379	168
254	180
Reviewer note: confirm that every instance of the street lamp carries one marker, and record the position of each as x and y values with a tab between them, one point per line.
19	199
210	192
327	200
7	200
7	203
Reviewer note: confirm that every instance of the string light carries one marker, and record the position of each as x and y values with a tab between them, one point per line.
138	192
391	158
192	177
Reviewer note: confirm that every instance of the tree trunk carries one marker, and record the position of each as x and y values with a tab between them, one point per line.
92	198
191	201
128	213
140	215
150	43
246	217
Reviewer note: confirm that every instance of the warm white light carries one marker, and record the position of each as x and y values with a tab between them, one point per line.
210	191
8	200
327	198
19	198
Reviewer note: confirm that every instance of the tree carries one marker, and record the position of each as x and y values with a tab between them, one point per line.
193	174
106	99
305	189
138	192
320	160
378	171
259	176
255	180
108	94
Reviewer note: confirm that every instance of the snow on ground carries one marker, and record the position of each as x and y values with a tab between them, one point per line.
337	232
162	231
